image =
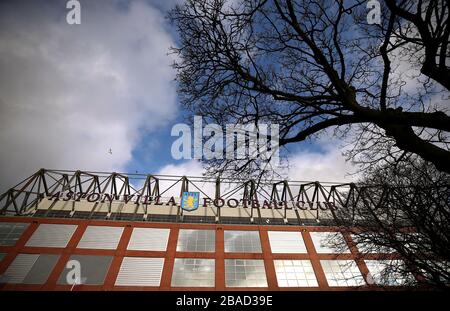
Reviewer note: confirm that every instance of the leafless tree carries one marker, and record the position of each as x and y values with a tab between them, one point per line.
403	212
312	65
426	25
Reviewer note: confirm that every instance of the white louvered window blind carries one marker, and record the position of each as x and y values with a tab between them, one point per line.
140	271
287	242
101	237
30	269
50	235
149	239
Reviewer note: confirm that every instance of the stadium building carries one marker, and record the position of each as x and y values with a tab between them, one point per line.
74	230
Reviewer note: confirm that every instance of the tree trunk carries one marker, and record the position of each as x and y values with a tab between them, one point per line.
407	140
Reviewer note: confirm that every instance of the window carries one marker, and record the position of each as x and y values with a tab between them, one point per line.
245	273
295	273
242	241
442	267
329	242
388	272
10	232
196	241
413	242
342	273
365	243
93	270
101	237
48	235
30	269
286	242
193	272
149	239
140	271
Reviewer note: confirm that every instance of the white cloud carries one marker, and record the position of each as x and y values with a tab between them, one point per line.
188	168
328	165
68	93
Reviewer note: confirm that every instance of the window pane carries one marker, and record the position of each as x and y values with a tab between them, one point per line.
48	235
295	273
245	273
196	241
342	273
193	272
41	269
365	243
30	269
329	242
286	242
140	271
149	239
93	269
101	237
388	272
10	232
242	241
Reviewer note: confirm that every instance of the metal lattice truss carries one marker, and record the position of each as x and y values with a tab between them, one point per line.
290	199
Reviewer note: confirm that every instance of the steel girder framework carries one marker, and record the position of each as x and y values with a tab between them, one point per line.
24	198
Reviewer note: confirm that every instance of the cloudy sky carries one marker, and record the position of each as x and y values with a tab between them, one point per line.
69	93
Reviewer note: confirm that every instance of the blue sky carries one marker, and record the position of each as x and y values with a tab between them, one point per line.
153	150
69	93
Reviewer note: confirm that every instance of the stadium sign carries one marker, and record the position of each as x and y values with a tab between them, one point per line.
206	201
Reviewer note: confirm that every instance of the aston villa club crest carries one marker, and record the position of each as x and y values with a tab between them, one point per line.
189	201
